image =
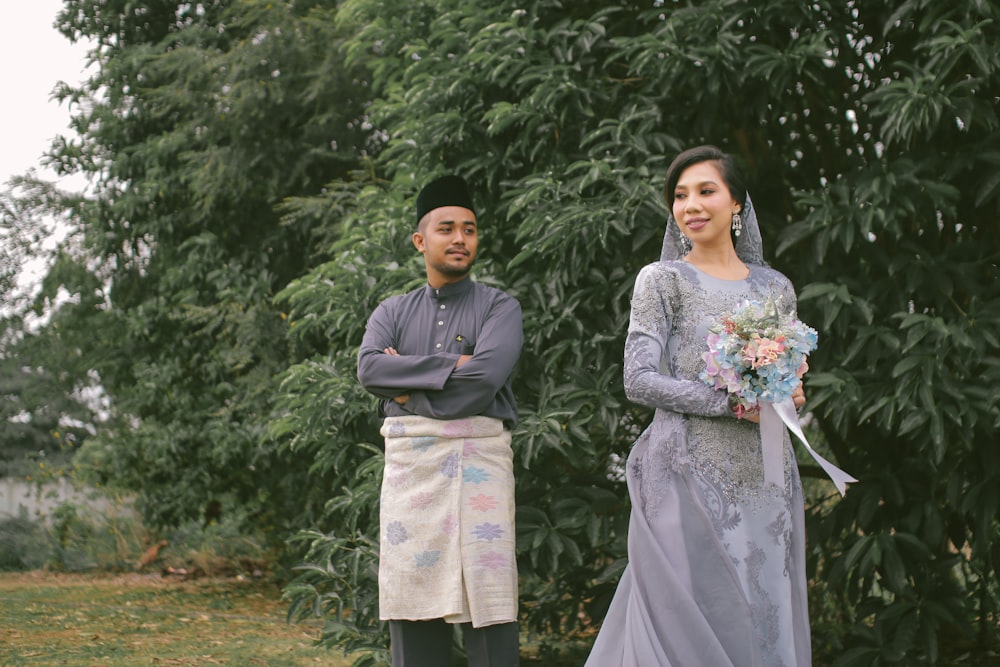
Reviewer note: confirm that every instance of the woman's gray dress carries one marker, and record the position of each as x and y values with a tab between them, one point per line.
716	573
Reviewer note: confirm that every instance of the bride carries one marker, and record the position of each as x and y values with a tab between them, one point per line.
716	573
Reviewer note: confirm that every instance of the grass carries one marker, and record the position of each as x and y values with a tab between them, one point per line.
135	619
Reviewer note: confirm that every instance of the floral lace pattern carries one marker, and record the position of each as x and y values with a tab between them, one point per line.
702	516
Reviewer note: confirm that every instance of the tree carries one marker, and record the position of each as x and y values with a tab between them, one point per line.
253	166
564	116
47	400
200	118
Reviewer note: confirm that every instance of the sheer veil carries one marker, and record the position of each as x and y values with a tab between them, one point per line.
749	244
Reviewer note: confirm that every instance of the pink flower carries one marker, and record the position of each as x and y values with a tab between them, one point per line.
749	351
492	560
769	351
450	525
483	503
422	500
714	369
731	380
763	351
397	477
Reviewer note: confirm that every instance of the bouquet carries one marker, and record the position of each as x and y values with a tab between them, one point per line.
757	354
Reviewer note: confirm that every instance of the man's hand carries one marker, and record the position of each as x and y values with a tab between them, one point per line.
391	351
402	399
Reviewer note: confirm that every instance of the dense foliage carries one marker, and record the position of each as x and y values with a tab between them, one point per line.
199	120
565	116
48	396
254	166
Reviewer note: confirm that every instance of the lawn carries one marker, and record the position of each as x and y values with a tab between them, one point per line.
132	619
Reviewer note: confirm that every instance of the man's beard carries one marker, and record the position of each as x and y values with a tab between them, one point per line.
453	271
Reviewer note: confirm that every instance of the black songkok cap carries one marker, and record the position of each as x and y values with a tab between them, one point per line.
444	191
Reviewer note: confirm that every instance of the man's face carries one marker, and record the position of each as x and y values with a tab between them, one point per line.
447	237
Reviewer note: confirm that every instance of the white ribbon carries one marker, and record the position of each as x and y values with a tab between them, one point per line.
773	416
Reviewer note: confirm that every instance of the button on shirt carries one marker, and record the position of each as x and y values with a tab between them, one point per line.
430	328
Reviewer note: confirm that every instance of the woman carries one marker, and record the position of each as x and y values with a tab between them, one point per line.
716	572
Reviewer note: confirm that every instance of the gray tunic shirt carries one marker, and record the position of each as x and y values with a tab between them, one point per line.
430	328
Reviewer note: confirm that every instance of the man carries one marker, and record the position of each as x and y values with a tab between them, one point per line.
440	359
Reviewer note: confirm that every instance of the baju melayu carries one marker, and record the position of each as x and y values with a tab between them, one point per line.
447	502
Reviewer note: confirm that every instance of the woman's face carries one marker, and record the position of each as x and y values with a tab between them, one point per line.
703	205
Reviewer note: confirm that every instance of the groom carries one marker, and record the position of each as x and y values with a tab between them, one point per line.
440	358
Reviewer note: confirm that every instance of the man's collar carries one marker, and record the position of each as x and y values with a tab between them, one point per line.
451	289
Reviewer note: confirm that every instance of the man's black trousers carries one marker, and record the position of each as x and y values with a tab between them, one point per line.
428	644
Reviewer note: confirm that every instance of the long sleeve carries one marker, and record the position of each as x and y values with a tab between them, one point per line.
649	378
431	328
787	301
388	376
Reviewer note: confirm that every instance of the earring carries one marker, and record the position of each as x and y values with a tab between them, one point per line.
737	224
686	244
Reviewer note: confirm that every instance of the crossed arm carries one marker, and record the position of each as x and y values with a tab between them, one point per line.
444	385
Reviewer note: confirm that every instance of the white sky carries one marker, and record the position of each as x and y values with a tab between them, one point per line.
34	58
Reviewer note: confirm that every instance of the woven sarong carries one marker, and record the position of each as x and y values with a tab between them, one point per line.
447	522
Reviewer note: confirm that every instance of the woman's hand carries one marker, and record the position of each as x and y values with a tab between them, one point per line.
799	397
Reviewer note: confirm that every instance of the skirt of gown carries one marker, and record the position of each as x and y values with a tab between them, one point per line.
716	573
